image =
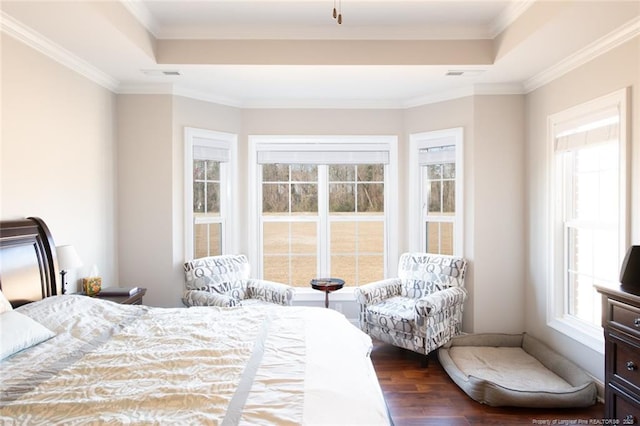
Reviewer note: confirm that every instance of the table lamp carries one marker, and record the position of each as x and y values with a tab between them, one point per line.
67	259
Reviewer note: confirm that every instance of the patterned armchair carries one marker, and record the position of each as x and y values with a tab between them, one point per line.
421	309
224	281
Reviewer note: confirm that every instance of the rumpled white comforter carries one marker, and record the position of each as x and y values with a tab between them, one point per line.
124	364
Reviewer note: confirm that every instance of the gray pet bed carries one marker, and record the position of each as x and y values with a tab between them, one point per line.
515	370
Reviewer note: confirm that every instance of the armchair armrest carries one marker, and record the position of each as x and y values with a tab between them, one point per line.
438	301
270	291
377	291
204	298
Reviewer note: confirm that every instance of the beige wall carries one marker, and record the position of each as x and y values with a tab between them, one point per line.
612	71
57	155
145	201
498	223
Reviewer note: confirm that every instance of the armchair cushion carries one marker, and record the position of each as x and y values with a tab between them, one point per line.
395	313
205	298
440	300
378	291
425	274
270	291
218	274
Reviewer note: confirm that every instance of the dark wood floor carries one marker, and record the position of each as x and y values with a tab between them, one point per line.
427	396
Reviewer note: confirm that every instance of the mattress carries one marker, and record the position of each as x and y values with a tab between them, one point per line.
261	365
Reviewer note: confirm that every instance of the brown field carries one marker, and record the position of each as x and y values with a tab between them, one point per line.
357	252
290	251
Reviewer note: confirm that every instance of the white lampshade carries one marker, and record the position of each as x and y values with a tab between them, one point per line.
68	258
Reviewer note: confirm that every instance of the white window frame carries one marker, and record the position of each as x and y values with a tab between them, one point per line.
417	202
226	142
557	292
305	144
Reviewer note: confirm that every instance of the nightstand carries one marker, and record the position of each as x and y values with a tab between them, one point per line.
134	299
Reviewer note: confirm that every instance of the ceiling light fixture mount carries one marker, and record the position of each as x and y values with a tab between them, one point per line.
337	11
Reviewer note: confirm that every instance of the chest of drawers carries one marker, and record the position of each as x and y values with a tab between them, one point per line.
621	322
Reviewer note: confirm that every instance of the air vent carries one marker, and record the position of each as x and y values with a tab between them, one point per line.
465	73
161	73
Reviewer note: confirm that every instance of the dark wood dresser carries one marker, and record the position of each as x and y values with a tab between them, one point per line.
621	322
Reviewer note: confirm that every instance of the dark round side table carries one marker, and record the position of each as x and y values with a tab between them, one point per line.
327	285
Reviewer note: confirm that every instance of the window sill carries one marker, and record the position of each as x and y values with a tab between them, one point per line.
590	336
310	295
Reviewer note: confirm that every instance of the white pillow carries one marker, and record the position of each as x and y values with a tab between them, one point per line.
5	305
18	332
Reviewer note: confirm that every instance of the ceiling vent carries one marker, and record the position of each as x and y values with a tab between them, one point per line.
161	73
464	73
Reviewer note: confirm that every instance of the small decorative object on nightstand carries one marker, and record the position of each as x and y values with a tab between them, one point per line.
122	295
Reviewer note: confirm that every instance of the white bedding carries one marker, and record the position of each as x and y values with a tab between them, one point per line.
129	364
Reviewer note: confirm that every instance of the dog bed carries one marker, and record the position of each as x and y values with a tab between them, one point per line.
515	370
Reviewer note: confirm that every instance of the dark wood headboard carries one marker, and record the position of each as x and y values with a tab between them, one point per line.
28	261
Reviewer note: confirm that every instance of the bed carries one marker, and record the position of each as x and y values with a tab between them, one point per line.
90	360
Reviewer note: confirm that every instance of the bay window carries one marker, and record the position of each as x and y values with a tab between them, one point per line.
209	192
436	173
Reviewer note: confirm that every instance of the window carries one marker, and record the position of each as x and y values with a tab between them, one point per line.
436	206
323	207
209	186
589	215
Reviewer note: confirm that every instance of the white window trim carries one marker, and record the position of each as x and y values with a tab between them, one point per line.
334	142
581	331
219	140
424	140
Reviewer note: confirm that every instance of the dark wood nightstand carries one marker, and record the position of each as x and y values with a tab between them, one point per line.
134	299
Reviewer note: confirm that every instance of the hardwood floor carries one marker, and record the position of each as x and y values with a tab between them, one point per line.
427	396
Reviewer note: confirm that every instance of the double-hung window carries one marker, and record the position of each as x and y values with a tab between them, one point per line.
589	232
210	159
436	174
323	206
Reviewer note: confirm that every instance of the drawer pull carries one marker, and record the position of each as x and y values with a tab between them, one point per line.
636	322
631	366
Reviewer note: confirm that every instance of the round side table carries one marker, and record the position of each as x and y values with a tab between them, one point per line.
327	285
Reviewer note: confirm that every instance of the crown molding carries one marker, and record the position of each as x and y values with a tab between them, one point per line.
142	14
174	90
612	40
145	89
509	15
448	95
484	89
442	96
498	89
323	104
37	41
